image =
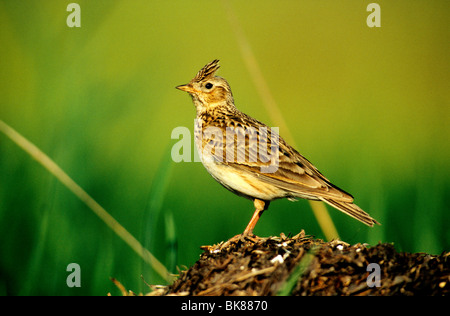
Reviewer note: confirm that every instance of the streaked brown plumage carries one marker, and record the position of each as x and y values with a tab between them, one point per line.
243	167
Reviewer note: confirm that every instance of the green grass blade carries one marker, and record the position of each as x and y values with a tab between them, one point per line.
301	268
110	221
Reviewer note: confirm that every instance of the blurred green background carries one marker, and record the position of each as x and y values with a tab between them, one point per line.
368	106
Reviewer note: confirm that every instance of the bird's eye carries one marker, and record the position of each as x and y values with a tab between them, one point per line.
209	85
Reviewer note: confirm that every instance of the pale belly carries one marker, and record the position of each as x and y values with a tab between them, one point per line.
241	183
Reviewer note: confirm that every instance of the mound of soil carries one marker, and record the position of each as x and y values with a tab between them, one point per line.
302	265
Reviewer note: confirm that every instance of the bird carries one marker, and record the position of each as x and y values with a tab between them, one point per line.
250	159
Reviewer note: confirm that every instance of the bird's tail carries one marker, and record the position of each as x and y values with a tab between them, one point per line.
352	210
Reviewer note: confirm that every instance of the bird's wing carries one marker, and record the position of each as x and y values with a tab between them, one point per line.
281	165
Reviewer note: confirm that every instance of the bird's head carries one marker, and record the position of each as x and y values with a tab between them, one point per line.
207	90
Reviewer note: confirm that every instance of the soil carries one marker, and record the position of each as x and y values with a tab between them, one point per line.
302	265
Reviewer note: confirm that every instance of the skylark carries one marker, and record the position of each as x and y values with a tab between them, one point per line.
250	159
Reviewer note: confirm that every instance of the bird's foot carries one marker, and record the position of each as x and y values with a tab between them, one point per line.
241	238
238	239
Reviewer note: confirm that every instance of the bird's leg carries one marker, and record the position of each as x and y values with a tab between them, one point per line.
260	206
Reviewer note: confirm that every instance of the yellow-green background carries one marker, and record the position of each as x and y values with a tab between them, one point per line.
368	106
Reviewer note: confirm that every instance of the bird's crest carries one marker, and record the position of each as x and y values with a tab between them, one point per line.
208	71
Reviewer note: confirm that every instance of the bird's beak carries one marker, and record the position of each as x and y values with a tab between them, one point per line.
185	87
